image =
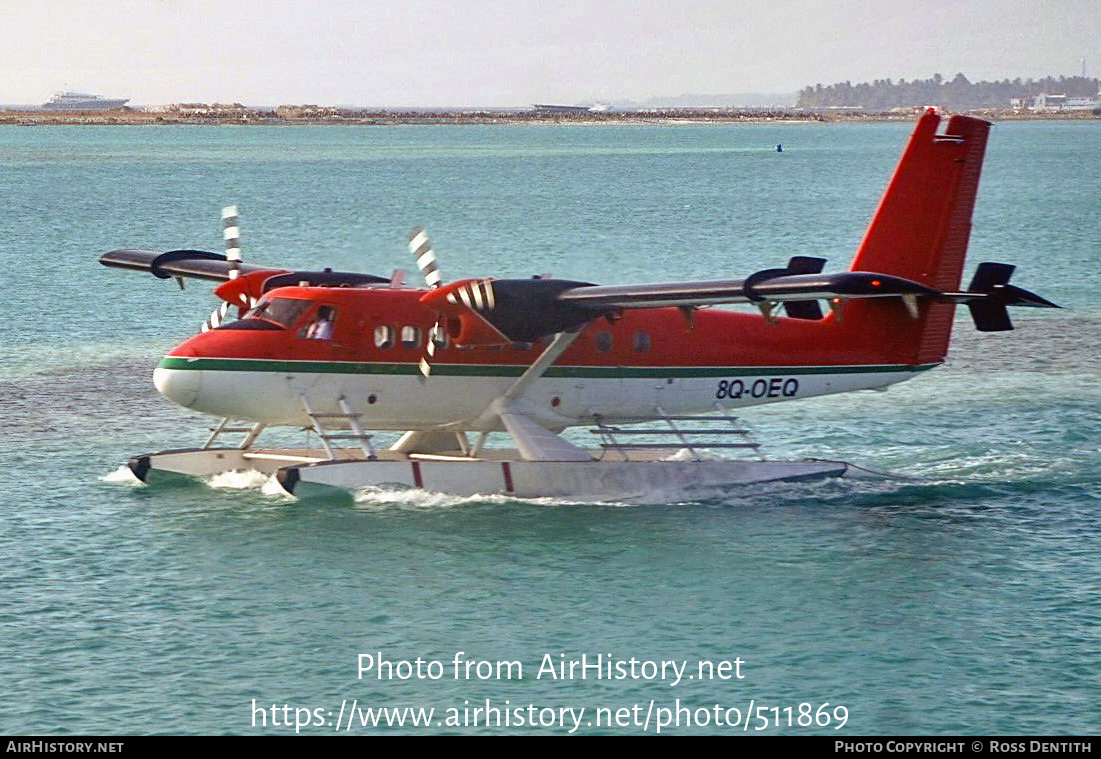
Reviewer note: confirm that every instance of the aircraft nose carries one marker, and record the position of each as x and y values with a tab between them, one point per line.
178	385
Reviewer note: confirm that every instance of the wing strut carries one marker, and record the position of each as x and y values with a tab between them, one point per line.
534	441
511	411
538	368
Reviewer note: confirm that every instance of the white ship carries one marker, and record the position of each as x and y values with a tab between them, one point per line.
82	101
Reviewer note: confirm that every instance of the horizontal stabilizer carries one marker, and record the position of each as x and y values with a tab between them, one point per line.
990	293
989	316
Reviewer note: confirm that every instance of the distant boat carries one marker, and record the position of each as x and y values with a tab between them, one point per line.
82	101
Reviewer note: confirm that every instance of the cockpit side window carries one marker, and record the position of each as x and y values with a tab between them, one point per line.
281	311
321	326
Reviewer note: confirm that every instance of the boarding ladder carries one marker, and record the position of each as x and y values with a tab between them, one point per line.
327	435
714	432
224	428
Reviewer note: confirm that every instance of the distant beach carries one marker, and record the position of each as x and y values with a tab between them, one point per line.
291	115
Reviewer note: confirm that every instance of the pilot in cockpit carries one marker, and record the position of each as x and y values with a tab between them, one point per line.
321	328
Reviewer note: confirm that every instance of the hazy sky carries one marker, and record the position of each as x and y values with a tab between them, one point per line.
519	52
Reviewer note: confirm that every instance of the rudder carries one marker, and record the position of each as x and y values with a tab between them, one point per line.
922	226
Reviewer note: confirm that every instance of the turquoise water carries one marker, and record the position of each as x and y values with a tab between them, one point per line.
959	596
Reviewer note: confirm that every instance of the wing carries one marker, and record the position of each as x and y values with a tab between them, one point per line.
777	289
197	264
215	267
525	310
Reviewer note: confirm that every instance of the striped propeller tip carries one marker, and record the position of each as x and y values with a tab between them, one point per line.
231	233
421	248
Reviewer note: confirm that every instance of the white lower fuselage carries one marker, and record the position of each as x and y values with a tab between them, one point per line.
396	397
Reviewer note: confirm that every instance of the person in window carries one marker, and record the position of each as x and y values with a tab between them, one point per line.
322	326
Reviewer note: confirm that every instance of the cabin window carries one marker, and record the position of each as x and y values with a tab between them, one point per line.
642	342
281	311
604	341
321	326
384	336
410	336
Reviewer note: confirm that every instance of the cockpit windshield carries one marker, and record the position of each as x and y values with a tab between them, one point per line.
281	311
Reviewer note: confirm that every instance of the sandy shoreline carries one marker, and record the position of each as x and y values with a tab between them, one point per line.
312	115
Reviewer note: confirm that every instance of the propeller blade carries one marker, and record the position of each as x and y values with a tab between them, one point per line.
216	318
231	233
421	248
434	339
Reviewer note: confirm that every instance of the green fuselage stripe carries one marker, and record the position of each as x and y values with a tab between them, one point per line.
484	370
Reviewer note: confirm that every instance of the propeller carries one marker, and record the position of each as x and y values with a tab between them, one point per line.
231	233
496	311
421	248
491	311
217	317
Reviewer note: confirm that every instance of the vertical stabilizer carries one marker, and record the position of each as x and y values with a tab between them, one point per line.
922	225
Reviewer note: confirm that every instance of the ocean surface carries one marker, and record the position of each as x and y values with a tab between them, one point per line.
959	595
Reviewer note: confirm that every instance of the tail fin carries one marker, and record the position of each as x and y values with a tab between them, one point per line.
921	228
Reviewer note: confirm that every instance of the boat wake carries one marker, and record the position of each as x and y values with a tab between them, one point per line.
379	499
122	476
248	479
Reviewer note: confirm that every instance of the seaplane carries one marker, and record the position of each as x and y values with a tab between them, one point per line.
444	366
